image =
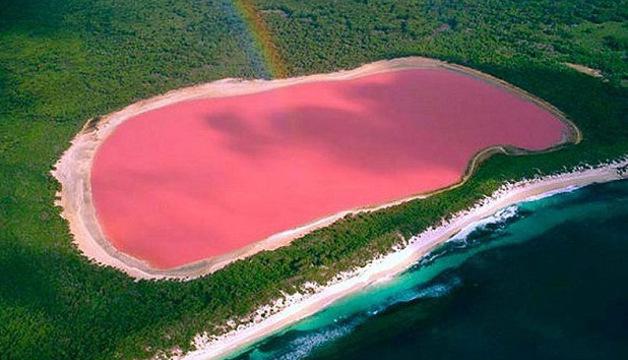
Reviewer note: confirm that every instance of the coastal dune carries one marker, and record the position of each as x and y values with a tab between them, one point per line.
182	184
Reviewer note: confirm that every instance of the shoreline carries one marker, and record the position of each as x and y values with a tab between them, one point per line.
315	298
73	170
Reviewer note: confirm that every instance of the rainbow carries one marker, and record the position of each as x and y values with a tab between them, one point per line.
262	37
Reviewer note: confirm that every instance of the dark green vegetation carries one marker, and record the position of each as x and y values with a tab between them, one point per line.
64	62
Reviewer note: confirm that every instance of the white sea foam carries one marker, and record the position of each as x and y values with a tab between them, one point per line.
440	289
499	217
302	346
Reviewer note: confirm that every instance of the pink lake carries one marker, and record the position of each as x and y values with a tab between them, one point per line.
203	178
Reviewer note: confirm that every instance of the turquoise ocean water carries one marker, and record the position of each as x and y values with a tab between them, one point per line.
545	279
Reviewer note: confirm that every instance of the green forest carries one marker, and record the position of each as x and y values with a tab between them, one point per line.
65	62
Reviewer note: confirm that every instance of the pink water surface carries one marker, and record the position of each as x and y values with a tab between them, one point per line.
202	178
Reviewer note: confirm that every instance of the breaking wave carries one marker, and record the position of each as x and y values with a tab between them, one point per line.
476	233
498	220
303	344
440	289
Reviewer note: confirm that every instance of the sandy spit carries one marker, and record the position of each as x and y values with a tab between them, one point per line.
585	70
313	298
73	169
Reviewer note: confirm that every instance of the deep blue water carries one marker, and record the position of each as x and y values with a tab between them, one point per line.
546	279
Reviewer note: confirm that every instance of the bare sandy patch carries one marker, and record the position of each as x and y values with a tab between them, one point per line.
586	70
